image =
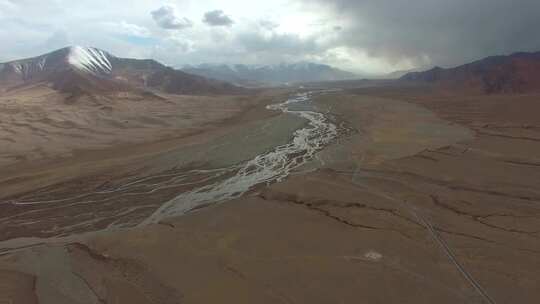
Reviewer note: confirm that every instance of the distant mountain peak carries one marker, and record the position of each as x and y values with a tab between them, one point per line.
270	75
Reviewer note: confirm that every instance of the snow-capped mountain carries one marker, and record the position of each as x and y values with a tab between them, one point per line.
270	75
87	70
88	60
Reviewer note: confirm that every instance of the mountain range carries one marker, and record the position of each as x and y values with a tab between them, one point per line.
88	71
515	73
269	75
84	70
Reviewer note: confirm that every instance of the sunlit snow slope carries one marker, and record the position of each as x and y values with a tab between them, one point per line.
89	60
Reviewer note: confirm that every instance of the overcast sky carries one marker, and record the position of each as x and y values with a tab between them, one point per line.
374	36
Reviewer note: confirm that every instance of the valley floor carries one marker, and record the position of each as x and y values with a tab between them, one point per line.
430	198
39	123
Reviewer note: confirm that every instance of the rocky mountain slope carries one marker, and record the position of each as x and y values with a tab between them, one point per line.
83	70
516	73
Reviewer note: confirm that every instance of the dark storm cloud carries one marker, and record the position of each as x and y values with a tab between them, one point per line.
443	32
167	18
217	18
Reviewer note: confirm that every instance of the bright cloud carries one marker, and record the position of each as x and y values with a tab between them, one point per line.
125	28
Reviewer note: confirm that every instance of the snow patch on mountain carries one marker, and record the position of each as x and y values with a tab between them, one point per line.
90	60
27	67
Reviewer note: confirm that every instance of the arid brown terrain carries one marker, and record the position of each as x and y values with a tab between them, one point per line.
428	198
269	152
515	73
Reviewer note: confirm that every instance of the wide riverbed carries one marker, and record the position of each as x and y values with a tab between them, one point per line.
268	167
236	164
